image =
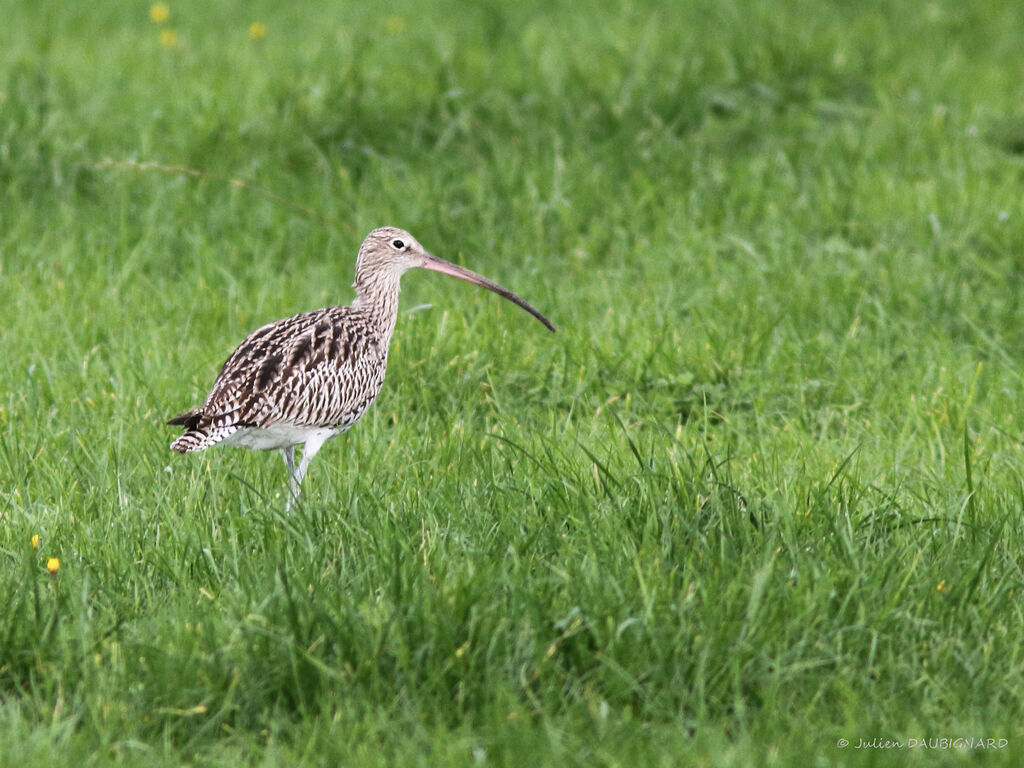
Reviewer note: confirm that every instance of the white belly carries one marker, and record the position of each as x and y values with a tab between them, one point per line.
279	436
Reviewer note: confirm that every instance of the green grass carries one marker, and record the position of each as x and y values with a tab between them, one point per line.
762	491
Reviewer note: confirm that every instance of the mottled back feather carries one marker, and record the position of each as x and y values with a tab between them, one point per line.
318	369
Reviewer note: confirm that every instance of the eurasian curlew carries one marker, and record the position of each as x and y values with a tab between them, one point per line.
304	379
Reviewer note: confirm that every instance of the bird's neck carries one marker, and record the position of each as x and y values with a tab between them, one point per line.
377	297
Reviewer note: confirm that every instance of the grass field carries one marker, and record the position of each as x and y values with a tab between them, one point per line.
761	493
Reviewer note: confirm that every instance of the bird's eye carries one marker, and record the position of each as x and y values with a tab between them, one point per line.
398	244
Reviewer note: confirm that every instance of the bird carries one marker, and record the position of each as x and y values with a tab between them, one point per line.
307	378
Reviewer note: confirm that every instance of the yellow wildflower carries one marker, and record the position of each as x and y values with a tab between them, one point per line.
168	38
53	565
394	25
941	586
159	13
35	541
257	30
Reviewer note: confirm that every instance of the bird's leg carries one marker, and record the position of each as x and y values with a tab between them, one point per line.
293	485
309	450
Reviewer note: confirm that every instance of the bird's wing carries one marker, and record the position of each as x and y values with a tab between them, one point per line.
306	369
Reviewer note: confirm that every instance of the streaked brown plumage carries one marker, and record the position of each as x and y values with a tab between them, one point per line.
307	378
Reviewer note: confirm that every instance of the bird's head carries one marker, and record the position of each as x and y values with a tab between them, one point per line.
388	252
391	250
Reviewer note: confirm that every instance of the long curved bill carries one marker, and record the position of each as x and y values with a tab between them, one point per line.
447	268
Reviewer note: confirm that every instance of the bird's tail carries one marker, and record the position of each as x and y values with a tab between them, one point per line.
198	435
193	440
